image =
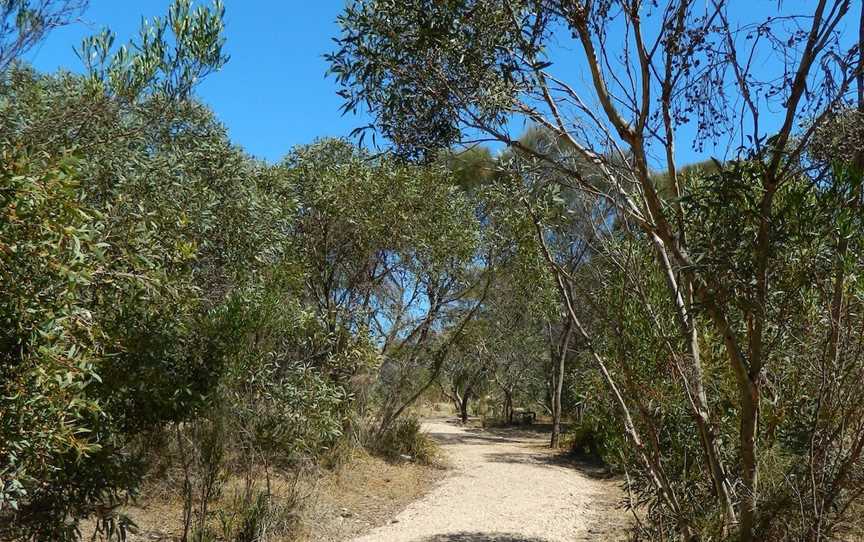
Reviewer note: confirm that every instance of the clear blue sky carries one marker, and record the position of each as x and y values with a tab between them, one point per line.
272	95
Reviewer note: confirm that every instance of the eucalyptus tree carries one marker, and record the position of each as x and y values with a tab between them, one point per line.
24	23
465	374
107	201
417	356
507	185
570	227
520	369
500	353
390	252
432	75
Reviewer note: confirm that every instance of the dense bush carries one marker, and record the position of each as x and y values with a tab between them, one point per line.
159	282
170	305
141	292
719	305
406	440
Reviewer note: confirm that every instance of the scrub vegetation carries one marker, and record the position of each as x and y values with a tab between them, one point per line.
180	319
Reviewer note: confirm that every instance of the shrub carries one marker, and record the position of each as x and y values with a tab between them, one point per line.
583	441
261	518
405	439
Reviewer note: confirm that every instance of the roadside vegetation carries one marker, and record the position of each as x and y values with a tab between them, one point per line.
183	322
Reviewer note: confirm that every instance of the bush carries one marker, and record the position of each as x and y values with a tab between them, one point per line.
584	442
260	518
405	439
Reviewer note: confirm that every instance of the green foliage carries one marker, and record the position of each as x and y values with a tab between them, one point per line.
157	281
24	23
258	520
347	194
159	278
101	248
277	404
473	168
585	441
50	343
722	241
385	46
405	439
634	330
171	56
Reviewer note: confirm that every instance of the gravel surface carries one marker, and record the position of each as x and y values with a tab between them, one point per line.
505	487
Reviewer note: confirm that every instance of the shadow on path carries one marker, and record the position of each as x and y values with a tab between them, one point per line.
591	469
470	438
529	436
480	537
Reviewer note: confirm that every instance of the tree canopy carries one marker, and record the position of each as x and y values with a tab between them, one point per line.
176	311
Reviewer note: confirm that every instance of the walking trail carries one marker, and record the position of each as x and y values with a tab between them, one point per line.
506	487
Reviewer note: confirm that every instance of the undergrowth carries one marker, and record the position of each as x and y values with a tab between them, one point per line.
405	440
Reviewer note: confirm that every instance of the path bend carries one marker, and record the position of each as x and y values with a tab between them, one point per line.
507	487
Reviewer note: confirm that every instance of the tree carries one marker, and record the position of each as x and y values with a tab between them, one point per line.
434	75
389	251
465	371
100	244
24	23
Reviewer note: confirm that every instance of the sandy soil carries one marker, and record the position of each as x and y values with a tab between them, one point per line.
364	493
342	503
506	487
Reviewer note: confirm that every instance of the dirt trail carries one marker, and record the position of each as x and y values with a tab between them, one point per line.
507	488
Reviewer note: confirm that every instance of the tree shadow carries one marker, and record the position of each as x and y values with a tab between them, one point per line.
481	537
499	427
522	432
533	430
589	467
470	437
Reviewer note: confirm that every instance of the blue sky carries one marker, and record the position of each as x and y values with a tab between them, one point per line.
272	95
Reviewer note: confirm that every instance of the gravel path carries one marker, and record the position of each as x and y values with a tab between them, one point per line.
506	487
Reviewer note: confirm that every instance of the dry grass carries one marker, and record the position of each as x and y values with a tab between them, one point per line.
432	409
364	492
157	519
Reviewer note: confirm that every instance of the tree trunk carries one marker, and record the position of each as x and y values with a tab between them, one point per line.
749	425
558	380
506	405
455	399
463	406
682	297
655	469
749	394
